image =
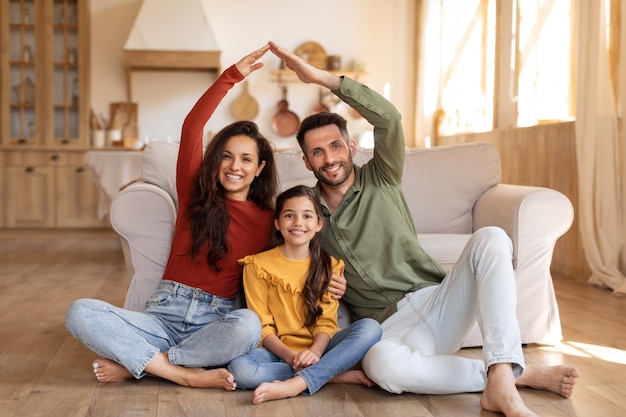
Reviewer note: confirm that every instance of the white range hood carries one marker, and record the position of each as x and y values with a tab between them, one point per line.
171	35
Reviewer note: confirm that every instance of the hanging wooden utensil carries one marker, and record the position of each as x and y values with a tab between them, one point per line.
244	107
285	122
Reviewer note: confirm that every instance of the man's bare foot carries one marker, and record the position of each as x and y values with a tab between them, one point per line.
501	395
107	370
355	376
559	379
277	390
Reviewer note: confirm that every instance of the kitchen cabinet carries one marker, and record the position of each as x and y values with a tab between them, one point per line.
44	70
77	198
44	115
48	189
30	191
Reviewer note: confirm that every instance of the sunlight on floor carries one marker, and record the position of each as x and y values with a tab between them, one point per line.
586	350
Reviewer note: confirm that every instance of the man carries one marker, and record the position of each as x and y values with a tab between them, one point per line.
425	314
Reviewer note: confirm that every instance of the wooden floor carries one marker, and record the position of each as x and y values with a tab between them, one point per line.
45	372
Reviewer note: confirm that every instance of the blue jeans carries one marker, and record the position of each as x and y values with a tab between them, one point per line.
196	328
346	348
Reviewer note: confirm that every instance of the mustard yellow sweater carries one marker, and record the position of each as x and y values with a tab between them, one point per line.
273	286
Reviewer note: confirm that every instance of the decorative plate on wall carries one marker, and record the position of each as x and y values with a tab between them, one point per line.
314	53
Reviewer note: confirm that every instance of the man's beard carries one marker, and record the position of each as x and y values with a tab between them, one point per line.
346	167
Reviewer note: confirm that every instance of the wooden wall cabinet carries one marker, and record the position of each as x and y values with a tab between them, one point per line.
44	115
44	71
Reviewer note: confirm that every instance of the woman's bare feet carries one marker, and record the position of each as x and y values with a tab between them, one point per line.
208	378
558	379
277	390
501	395
355	376
107	370
190	377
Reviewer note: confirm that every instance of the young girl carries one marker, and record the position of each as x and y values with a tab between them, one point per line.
226	202
303	348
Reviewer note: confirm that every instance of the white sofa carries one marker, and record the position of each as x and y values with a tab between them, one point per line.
451	191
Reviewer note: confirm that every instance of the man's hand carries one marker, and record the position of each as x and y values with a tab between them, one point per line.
306	72
337	286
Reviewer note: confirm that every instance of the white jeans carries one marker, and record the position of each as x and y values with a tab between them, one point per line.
416	351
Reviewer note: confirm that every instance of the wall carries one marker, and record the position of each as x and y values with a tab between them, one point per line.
377	32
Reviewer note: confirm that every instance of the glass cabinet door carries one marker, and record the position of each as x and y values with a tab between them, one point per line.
65	74
22	72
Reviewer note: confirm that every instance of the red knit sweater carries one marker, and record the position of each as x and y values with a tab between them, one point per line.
250	227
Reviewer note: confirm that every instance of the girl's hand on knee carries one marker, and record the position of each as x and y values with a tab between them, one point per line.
304	359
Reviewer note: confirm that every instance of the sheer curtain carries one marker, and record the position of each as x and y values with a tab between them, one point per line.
599	152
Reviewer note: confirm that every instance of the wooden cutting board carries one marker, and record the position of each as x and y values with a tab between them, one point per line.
244	107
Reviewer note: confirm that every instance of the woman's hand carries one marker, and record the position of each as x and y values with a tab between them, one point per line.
248	64
337	286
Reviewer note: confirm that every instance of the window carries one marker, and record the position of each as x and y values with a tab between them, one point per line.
502	63
544	64
467	48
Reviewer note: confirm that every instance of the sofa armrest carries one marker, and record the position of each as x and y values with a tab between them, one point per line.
533	217
143	215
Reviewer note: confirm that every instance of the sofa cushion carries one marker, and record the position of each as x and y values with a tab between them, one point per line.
444	248
292	171
442	184
159	166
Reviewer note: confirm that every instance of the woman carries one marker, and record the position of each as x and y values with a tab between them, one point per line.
225	213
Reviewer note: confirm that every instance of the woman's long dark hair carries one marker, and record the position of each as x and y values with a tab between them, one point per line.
207	213
320	270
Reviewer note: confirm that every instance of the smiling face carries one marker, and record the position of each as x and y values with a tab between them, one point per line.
298	222
329	156
239	167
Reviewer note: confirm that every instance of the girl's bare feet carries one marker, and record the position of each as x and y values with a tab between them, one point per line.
277	390
355	376
559	379
107	370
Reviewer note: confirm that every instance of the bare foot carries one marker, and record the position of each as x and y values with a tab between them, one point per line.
352	377
276	390
501	395
209	378
557	379
107	370
190	377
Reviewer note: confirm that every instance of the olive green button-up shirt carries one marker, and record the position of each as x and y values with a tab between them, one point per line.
372	229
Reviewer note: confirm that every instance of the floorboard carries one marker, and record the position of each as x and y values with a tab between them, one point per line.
45	372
